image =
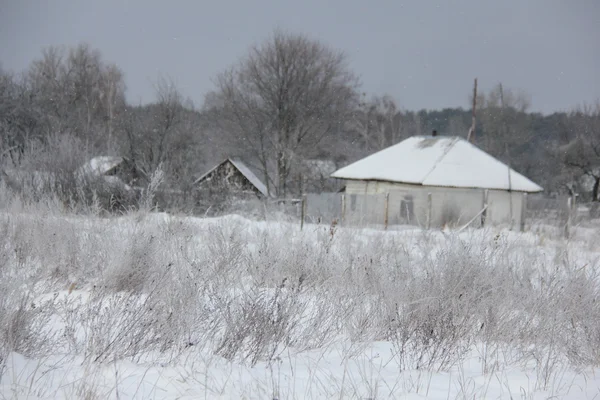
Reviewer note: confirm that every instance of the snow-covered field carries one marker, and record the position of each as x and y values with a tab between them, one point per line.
150	306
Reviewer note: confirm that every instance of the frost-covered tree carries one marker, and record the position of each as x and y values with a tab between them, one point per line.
282	100
77	93
581	154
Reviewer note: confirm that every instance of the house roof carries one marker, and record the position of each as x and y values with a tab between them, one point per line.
446	161
244	170
100	165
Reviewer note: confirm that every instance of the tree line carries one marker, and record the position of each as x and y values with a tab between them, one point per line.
289	100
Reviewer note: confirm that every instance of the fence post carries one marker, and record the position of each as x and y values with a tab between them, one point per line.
343	209
569	214
302	212
485	206
523	211
429	206
386	209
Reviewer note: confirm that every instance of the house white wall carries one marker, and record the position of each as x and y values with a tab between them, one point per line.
500	208
409	204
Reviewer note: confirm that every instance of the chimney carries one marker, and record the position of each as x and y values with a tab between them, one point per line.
434	133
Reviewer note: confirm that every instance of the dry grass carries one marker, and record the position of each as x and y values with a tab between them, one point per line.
151	287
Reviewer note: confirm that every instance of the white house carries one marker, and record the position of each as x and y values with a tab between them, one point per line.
433	181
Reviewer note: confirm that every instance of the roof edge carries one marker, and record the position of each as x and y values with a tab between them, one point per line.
541	189
233	162
210	171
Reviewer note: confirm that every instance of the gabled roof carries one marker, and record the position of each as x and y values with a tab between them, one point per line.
437	161
244	170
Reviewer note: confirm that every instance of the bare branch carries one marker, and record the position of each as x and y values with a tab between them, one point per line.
282	100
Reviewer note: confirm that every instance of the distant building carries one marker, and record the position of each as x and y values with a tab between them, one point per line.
113	180
434	181
114	171
231	178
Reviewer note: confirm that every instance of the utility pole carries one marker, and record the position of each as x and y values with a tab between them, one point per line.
471	135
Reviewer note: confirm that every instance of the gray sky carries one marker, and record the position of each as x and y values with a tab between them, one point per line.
423	53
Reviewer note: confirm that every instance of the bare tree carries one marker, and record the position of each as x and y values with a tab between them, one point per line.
506	126
19	117
48	85
581	155
112	99
457	126
167	119
379	123
77	93
84	67
282	100
164	132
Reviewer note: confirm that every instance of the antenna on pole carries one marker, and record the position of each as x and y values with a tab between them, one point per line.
471	135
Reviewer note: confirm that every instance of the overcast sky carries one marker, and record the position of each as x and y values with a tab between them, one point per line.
423	53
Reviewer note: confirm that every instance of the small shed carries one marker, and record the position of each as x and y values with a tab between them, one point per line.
232	177
435	181
114	171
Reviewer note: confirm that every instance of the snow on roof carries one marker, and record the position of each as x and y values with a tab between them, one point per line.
101	165
437	161
244	170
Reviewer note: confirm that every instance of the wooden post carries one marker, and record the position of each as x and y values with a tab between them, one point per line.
429	210
342	217
510	196
485	206
471	135
569	212
523	211
574	207
302	212
386	208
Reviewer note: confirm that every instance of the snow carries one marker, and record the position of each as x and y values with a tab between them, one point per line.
100	165
342	369
437	161
97	167
326	374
